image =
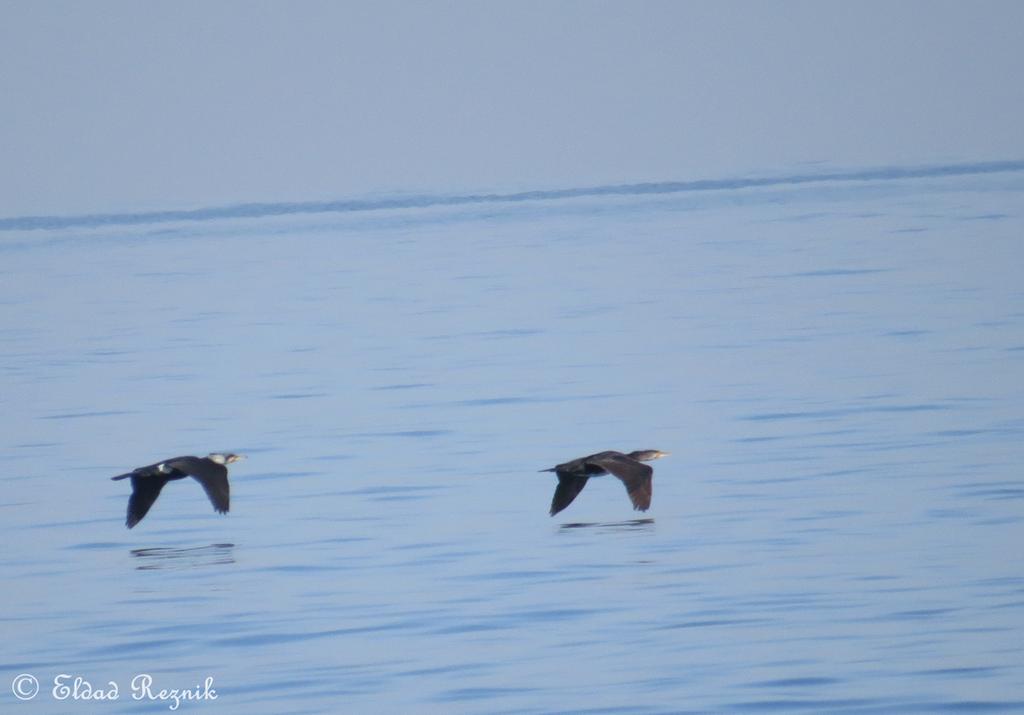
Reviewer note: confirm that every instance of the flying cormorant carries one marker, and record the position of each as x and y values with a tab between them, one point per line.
210	471
573	476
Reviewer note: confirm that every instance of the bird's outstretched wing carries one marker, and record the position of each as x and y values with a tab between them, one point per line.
213	477
635	475
568	487
145	490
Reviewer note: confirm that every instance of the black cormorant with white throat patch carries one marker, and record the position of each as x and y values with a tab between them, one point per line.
210	471
630	468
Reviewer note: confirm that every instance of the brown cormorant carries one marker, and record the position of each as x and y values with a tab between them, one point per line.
573	476
210	471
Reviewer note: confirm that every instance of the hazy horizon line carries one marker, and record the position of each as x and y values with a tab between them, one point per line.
268	209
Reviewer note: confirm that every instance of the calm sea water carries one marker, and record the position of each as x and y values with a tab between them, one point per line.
837	368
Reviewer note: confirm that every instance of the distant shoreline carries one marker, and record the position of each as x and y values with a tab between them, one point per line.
263	210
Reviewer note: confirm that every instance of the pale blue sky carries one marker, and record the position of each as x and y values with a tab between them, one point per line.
117	106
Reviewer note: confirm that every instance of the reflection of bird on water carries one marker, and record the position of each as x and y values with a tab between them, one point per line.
209	471
168	558
573	476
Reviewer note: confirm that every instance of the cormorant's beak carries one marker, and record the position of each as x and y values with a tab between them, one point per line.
663	454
